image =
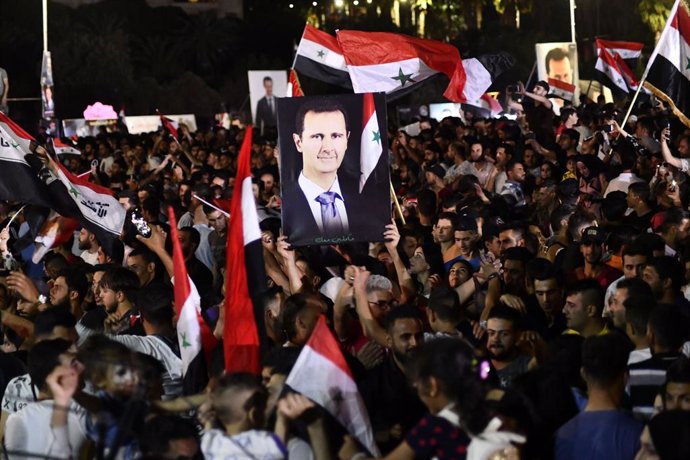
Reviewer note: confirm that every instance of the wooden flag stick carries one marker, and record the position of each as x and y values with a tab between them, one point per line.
397	203
211	205
15	216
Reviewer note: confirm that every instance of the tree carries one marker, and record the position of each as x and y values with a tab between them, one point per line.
655	13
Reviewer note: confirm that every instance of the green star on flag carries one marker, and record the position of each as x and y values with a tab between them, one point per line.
185	342
403	77
74	191
321	53
377	137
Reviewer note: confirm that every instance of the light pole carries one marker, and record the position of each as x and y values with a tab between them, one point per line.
572	21
45	25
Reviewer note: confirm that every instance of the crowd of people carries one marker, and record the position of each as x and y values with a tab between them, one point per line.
529	300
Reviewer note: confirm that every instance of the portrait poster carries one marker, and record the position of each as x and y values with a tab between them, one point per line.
558	61
265	87
335	179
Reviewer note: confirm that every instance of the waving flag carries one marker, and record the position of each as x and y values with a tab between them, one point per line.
294	89
193	334
487	102
628	51
387	62
319	56
561	89
18	181
170	125
668	70
609	73
56	230
94	206
322	375
245	275
371	144
61	148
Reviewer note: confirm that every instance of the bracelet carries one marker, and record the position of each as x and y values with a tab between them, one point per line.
492	276
358	456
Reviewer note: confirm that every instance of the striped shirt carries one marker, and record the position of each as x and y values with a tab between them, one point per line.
646	378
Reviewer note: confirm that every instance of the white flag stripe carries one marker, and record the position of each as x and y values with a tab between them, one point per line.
250	218
330	58
335	391
188	329
370	149
102	210
612	73
12	148
478	79
368	78
625	53
671	50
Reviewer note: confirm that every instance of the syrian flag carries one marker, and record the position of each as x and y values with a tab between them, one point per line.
561	89
246	279
487	103
193	334
61	148
388	62
322	375
319	56
628	51
170	125
608	73
56	230
668	70
294	89
371	145
94	206
628	75
18	181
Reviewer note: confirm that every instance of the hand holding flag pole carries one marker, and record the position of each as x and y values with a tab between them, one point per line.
397	204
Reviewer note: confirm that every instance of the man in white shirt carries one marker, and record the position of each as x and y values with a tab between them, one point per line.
29	432
627	177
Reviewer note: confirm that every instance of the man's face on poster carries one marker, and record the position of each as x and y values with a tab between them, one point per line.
268	87
323	143
561	70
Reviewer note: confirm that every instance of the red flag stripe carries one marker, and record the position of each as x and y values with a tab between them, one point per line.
322	38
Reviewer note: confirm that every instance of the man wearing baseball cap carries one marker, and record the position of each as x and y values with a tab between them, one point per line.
592	249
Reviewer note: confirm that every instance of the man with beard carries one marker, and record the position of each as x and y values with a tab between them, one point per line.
477	165
503	330
88	244
392	403
69	290
665	276
592	249
118	288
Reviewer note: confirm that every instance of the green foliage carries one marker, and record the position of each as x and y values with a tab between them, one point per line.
654	13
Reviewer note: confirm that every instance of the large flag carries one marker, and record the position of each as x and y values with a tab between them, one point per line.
371	144
245	275
388	62
193	334
608	73
393	63
628	51
322	374
319	56
94	206
562	89
668	70
61	148
56	230
18	181
294	88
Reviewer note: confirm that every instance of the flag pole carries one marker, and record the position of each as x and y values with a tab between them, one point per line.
397	203
210	205
15	216
653	56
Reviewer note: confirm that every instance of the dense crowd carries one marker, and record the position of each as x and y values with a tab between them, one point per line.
529	301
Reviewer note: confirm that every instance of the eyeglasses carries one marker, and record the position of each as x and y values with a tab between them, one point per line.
384	304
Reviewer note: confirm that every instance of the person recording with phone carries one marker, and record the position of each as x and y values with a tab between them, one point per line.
538	110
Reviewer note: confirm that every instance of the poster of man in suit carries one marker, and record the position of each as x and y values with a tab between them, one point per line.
334	168
265	87
558	61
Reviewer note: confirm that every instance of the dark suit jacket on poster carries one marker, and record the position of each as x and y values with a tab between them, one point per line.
368	213
264	114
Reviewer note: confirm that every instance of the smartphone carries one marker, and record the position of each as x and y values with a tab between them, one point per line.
141	225
607	128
